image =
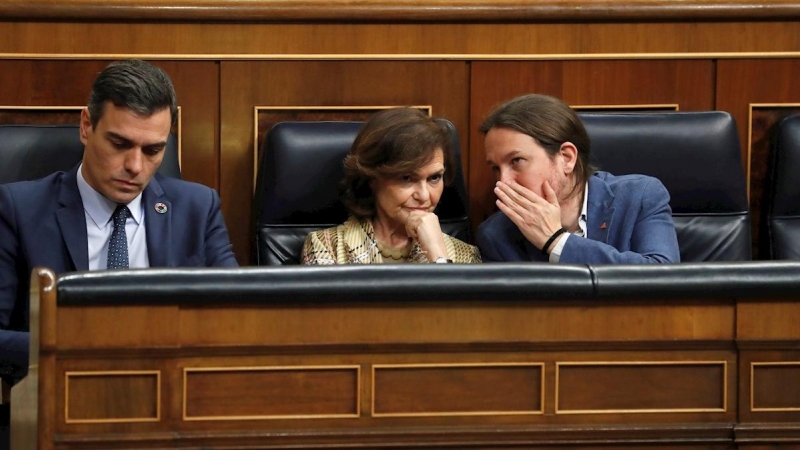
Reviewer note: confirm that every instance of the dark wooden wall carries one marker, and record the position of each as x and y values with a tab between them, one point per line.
239	67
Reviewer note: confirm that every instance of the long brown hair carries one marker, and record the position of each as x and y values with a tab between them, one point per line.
551	123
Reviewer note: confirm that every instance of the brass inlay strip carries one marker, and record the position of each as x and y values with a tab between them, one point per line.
456	413
258	109
724	365
404	56
631	107
41	108
357	414
751	107
112	373
752	386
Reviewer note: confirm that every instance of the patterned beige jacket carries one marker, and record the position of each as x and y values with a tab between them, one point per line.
353	242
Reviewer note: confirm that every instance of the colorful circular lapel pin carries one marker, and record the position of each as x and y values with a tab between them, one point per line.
161	208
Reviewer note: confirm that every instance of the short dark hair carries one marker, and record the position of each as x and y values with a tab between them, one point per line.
550	122
392	142
133	84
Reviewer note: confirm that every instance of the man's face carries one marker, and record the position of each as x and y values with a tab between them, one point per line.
123	151
517	158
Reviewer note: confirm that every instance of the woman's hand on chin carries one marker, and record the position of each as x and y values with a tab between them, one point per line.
424	227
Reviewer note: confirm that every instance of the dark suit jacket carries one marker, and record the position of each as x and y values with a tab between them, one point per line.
42	223
629	221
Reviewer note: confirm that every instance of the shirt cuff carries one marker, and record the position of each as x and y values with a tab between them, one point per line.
555	254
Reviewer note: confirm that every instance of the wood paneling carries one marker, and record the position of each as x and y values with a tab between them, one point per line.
479	389
768	321
270	393
475	372
448	323
657	387
769	392
690	84
197	87
104	397
47	83
119	326
770	90
342	41
768	436
246	85
776	386
768	334
30	116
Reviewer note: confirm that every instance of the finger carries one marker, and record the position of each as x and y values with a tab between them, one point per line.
549	193
509	195
506	196
427	227
411	229
510	213
524	193
513	200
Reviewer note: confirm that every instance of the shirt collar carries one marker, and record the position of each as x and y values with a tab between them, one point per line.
584	210
99	208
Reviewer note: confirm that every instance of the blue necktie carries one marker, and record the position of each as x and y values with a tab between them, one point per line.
118	245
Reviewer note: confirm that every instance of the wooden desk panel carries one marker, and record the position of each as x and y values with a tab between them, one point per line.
436	374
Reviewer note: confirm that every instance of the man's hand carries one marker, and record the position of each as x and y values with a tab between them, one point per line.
536	217
424	227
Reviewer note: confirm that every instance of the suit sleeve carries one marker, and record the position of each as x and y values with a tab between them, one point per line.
9	253
485	244
219	250
14	347
13	344
653	239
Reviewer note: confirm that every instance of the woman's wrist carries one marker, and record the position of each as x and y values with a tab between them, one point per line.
434	253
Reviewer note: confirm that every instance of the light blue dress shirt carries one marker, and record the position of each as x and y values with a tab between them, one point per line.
99	226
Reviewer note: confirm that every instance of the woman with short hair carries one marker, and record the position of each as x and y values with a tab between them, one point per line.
395	174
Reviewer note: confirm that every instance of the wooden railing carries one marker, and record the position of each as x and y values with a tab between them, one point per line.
401	11
492	356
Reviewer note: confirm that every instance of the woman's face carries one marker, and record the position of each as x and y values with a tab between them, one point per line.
397	197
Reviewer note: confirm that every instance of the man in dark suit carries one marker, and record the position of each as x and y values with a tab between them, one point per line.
113	210
554	206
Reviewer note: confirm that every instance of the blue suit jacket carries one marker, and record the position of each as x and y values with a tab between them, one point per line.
42	223
629	221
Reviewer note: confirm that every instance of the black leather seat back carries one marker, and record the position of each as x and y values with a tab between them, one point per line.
698	158
783	207
29	152
297	188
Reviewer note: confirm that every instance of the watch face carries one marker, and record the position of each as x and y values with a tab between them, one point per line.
443	261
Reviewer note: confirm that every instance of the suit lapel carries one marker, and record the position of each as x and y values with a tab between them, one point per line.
599	212
158	223
72	220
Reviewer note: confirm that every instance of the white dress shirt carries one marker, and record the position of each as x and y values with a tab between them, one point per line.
99	226
555	254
